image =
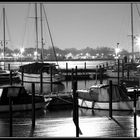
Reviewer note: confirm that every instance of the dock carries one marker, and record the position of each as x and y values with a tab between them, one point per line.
90	126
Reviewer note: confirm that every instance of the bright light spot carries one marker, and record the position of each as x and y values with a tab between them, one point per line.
117	50
138	41
21	50
35	53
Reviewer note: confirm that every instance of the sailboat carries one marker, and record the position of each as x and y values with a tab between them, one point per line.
97	96
6	74
32	71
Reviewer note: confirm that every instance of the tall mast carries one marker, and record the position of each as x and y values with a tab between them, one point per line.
4	35
132	32
42	56
36	31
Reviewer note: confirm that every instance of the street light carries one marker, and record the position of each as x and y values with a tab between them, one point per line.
117	50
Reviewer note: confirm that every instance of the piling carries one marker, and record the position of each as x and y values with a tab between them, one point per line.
128	73
33	105
22	75
8	66
10	77
122	69
118	70
135	115
51	80
41	82
10	117
85	67
66	69
75	107
101	74
110	99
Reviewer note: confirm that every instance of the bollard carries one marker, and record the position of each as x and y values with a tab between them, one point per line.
135	116
10	116
110	99
118	70
33	105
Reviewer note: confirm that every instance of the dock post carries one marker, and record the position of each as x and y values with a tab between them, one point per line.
66	71
135	115
10	77
122	69
75	107
51	80
110	99
10	116
85	67
118	70
22	75
33	105
128	73
8	66
76	73
41	82
100	69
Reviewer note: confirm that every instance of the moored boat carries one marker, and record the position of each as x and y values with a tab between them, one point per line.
22	101
97	97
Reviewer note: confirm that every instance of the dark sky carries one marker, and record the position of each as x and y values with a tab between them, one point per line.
73	25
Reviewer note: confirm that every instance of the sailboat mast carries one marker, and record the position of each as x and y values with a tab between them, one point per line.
4	36
132	32
36	31
42	56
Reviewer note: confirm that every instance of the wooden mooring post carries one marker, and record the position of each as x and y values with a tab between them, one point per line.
118	71
41	82
135	115
22	76
10	117
33	105
110	99
75	108
11	77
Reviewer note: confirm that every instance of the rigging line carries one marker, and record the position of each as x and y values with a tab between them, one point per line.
50	35
138	10
26	24
8	30
1	26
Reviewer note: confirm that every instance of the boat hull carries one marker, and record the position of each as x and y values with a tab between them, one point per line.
120	105
21	107
28	79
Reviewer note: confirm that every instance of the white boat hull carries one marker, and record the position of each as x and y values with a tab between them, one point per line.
28	79
120	105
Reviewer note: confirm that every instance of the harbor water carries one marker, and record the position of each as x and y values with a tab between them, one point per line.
59	123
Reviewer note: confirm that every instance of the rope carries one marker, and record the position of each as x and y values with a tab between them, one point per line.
26	24
50	35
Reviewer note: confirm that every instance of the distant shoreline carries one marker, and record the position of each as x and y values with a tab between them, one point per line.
60	60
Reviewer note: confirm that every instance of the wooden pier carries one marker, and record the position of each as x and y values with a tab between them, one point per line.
91	126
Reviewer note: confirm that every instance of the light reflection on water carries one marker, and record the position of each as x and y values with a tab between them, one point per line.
59	123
